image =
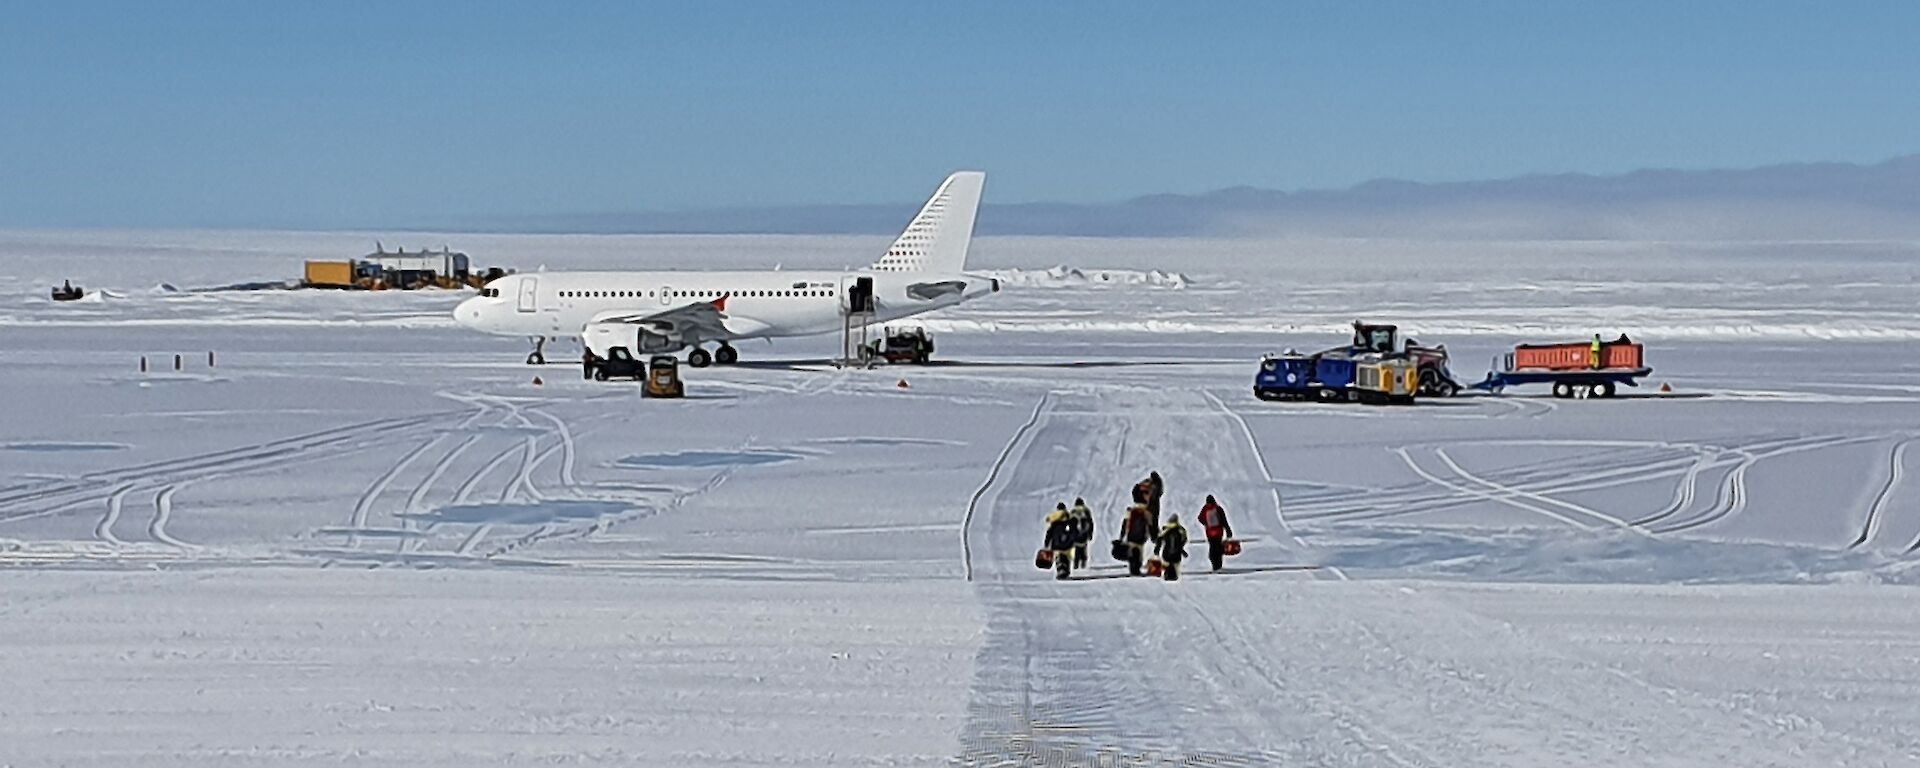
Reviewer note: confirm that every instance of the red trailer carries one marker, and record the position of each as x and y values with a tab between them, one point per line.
1571	368
1627	355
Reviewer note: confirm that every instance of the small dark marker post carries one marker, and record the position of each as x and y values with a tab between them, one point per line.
176	362
143	363
209	358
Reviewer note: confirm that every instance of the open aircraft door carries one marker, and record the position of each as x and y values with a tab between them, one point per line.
529	294
857	295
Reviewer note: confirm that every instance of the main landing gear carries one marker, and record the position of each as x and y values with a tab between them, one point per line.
724	354
539	356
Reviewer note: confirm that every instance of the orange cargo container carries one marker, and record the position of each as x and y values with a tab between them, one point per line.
330	274
1574	357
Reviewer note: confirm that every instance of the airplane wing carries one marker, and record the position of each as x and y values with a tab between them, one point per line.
686	324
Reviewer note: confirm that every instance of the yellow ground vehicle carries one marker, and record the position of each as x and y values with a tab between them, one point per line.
663	378
1386	381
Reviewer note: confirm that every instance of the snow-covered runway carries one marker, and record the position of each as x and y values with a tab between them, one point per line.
365	535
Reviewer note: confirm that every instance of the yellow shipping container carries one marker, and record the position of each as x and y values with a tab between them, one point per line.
331	274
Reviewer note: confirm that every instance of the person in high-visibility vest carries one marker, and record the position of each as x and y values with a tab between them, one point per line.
1172	548
1082	518
1593	353
1061	535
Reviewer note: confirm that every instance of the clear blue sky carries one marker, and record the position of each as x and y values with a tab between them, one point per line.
372	114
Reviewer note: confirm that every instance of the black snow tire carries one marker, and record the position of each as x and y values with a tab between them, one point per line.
726	355
699	358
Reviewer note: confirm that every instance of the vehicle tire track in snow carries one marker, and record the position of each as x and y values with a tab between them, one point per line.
162	514
1558	474
567	448
416	499
993	474
1565	475
216	459
364	505
1895	472
1279	514
640	512
1687	489
104	529
464	493
1486	495
1732	498
200	468
1529	495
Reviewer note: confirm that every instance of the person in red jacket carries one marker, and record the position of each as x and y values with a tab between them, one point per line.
1213	518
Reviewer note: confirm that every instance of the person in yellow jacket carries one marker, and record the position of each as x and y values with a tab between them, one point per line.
1172	548
1593	353
1061	535
1083	531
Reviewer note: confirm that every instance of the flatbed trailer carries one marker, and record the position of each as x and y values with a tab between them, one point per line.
1573	369
1602	382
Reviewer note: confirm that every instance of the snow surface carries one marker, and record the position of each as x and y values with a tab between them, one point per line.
366	536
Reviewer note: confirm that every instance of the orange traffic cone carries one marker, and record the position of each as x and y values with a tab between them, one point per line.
1665	387
537	382
902	384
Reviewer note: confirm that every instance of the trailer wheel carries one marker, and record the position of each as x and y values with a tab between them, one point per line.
1562	390
1603	389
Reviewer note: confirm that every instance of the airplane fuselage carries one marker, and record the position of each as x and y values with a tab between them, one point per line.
763	304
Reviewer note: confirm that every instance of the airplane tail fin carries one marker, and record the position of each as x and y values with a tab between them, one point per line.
937	239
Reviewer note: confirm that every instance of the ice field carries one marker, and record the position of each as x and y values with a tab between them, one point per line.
366	536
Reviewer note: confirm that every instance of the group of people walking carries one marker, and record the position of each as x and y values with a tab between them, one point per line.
1070	530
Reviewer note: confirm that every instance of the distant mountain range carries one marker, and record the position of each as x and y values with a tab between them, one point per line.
1796	201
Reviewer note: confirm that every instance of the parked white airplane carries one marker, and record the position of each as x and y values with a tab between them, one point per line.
655	312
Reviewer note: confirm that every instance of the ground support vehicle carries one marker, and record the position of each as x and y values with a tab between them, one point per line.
617	364
1571	368
1285	377
663	378
1334	376
1436	379
1386	381
904	345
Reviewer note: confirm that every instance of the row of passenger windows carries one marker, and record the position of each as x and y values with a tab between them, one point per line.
693	294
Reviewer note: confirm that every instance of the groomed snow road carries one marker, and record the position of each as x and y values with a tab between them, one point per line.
1272	663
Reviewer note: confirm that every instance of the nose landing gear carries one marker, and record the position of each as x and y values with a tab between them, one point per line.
538	357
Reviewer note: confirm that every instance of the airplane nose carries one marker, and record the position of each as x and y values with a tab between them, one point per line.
467	313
